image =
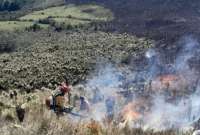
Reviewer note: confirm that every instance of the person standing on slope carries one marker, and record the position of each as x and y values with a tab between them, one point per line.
58	101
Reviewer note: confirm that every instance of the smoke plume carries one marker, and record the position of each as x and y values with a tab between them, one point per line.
162	96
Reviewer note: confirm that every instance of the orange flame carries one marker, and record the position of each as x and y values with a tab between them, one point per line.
94	127
129	113
171	83
168	79
168	82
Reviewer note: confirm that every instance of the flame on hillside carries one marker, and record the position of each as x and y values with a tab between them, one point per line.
129	113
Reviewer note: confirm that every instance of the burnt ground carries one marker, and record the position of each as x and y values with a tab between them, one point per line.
162	20
157	19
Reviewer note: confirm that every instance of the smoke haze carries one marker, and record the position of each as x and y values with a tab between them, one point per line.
163	96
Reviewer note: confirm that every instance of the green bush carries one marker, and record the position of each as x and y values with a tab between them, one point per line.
69	27
48	20
7	42
34	27
11	5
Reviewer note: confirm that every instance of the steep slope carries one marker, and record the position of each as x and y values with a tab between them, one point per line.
14	5
160	19
13	9
50	57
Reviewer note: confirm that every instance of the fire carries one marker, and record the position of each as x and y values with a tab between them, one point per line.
94	127
129	113
169	82
168	79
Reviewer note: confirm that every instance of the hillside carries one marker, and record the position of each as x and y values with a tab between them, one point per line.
13	9
73	55
163	20
60	17
133	67
15	5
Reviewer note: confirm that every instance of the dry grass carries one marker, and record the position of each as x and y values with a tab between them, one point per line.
17	25
96	13
40	121
14	25
72	14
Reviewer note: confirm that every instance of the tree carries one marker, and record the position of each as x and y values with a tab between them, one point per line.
13	6
34	27
5	5
7	42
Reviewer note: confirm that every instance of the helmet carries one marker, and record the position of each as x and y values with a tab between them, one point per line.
82	98
64	88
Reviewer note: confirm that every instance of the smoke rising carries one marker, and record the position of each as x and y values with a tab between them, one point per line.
181	110
162	96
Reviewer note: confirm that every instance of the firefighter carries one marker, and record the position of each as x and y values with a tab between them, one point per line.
110	103
84	104
57	101
97	96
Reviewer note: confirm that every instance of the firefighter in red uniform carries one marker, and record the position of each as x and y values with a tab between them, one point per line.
57	101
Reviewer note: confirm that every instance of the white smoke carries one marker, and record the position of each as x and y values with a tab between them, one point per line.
188	49
106	80
184	111
165	115
150	53
103	85
179	112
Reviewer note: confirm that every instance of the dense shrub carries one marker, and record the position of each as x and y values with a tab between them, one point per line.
11	5
34	27
60	26
7	42
48	20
